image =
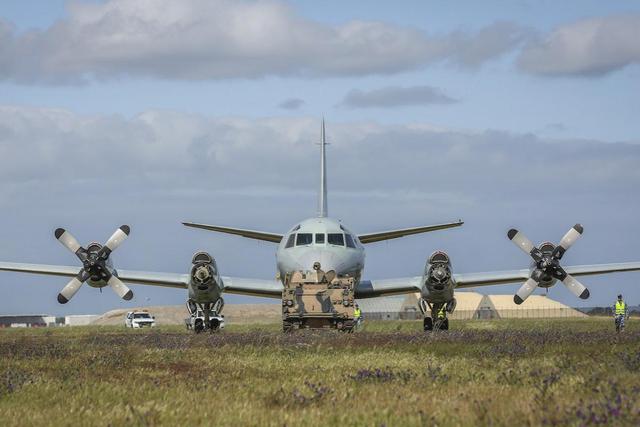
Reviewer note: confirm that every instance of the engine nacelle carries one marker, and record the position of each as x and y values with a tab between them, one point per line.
545	280
98	275
204	286
438	271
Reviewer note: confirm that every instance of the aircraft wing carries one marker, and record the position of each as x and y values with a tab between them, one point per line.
401	232
386	287
379	288
469	280
171	280
250	234
254	287
235	285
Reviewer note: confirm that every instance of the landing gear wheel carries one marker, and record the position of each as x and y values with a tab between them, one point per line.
444	326
198	327
428	324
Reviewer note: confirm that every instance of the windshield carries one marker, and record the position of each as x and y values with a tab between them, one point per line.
335	239
304	239
290	241
350	241
141	316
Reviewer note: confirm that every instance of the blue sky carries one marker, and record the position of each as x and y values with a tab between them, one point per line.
161	115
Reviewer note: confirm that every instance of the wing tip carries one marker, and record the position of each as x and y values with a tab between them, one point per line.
585	294
125	229
512	233
62	299
579	228
517	299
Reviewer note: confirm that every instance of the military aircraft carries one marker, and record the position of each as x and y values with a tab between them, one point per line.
330	243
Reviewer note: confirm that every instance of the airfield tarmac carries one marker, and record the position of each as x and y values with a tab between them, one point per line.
499	372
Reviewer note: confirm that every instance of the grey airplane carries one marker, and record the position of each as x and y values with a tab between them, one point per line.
334	246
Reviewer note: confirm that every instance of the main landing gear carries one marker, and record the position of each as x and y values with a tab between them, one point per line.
436	315
205	316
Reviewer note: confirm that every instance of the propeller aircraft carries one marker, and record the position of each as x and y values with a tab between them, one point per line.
324	240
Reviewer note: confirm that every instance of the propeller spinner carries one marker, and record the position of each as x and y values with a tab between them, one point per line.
94	264
547	264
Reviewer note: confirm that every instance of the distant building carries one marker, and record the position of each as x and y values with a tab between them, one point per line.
44	320
385	308
470	305
30	321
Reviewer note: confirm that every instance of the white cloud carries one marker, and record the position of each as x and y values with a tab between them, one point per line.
589	47
395	96
218	39
169	151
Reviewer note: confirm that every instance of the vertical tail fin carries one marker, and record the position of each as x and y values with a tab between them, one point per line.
322	196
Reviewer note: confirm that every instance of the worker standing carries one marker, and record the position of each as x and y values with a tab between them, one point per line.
620	313
357	315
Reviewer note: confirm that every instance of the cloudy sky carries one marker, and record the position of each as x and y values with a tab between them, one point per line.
506	114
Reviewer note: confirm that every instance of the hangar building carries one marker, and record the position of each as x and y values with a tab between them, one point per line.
473	305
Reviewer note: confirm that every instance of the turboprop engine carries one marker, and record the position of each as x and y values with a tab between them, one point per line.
205	281
438	283
205	287
438	271
437	292
97	268
545	267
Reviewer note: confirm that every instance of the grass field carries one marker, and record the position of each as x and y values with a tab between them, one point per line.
518	372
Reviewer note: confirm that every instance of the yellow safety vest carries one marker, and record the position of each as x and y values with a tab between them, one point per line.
620	307
442	313
357	312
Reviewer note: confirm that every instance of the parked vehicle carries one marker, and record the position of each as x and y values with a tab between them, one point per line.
139	319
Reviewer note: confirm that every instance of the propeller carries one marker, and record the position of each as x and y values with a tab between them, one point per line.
94	263
548	264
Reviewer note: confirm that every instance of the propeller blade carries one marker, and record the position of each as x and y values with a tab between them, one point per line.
117	238
568	240
575	287
72	287
521	241
120	288
67	240
525	290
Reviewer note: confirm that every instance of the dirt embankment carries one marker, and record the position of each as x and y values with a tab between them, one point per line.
175	314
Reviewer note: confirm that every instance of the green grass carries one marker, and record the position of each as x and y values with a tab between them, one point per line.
501	372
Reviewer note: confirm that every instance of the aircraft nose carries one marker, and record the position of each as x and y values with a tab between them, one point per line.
328	261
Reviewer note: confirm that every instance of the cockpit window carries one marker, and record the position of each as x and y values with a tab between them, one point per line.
304	239
290	240
350	242
335	239
319	238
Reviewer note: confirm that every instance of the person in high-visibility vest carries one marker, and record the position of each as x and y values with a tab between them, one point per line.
620	313
442	313
357	315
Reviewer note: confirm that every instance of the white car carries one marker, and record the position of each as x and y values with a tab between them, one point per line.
139	319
